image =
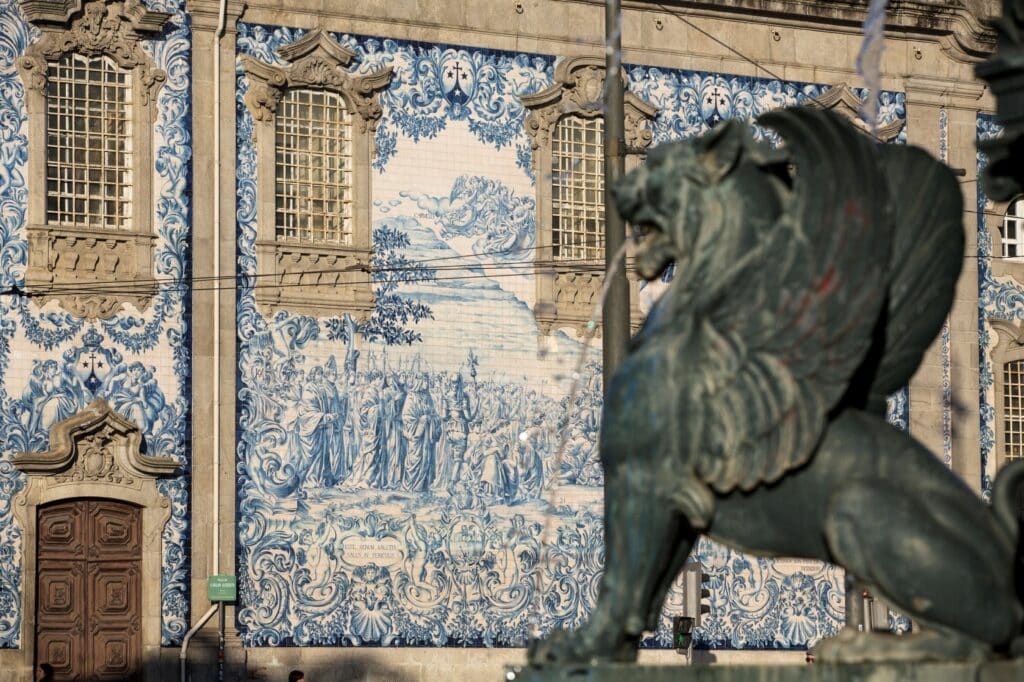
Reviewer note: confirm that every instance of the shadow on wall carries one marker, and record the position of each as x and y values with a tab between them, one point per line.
348	669
334	664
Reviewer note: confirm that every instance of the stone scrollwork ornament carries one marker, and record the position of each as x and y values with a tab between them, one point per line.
809	281
96	445
319	62
114	30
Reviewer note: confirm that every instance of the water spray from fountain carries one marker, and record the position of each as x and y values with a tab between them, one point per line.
869	61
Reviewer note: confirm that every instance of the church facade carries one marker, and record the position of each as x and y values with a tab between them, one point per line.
304	295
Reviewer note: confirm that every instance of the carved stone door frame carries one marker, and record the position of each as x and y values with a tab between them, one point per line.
96	453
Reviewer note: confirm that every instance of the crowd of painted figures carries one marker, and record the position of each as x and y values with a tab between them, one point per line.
445	433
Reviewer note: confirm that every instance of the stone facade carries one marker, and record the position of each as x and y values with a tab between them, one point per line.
387	414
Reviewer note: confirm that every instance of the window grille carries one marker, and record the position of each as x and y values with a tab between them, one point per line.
577	189
313	168
1013	230
89	143
1013	410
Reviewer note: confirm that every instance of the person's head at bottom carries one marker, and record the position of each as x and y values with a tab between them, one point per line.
46	673
296	676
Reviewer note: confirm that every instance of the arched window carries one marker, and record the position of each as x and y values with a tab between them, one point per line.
313	151
1012	230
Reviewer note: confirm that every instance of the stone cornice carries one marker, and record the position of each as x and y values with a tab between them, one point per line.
924	90
206	13
60	12
963	35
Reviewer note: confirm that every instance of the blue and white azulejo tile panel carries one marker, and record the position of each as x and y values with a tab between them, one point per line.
391	473
52	364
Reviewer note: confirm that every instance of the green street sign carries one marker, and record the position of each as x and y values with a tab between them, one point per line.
221	588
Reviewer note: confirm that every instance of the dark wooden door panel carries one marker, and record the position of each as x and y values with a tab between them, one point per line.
114	531
115	655
89	590
62	650
61	592
61	533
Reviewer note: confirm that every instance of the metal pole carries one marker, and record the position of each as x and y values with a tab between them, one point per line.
854	604
615	319
220	645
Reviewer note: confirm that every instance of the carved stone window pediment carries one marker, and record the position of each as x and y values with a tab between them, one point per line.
566	293
65	258
302	275
578	90
844	101
317	61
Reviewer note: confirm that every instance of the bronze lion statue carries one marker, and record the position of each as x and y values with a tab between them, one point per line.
810	278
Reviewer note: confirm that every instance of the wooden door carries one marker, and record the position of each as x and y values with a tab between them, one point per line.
89	590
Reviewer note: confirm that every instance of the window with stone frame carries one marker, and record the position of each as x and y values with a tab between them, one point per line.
1011	232
313	168
1007	362
90	94
88	143
577	189
314	122
565	126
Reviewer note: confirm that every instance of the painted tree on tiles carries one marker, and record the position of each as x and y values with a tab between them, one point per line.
393	313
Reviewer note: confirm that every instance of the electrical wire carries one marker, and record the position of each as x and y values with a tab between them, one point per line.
499	269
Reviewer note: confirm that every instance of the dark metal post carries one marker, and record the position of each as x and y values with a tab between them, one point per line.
854	604
220	644
615	319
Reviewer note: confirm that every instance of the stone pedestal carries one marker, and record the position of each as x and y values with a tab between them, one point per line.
994	671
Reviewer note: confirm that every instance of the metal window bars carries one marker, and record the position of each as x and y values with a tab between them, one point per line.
89	143
577	189
313	167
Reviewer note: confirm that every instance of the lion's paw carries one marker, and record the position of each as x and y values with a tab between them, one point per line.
565	647
853	646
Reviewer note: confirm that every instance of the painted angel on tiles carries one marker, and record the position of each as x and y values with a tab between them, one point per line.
134	393
53	394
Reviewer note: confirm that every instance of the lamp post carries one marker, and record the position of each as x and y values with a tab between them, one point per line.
615	317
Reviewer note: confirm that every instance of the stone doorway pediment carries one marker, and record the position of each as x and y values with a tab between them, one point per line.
95	454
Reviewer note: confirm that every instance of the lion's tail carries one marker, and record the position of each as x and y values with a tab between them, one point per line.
926	215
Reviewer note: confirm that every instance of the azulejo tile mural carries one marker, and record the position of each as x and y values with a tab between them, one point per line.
52	364
392	472
1001	298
